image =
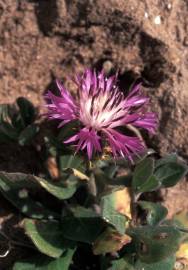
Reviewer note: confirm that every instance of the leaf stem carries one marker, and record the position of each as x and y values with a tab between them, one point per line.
133	208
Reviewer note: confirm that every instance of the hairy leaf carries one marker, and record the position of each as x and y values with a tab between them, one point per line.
62	189
121	264
62	263
82	225
71	162
167	264
47	236
27	110
110	241
15	187
167	159
155	212
28	134
143	179
155	243
170	173
111	212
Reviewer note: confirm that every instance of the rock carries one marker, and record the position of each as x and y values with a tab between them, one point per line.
41	40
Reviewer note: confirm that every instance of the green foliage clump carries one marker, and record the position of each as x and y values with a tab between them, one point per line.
90	206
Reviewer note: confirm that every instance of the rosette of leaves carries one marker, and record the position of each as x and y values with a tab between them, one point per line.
97	210
18	122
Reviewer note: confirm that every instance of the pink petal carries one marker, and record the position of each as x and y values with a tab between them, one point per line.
87	139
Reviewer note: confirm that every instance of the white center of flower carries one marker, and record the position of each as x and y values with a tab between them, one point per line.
101	109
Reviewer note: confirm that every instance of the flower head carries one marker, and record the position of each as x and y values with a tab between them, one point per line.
101	108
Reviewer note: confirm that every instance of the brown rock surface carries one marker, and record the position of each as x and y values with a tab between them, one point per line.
40	40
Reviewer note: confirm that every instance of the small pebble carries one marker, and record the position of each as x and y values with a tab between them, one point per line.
169	6
146	15
185	41
179	266
23	193
107	66
157	20
50	217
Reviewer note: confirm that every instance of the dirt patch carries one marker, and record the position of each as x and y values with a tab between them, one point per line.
41	40
175	198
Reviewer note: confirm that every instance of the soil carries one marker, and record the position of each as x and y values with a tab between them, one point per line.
43	40
145	40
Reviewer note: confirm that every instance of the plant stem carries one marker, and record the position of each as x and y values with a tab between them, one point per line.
185	230
92	188
133	208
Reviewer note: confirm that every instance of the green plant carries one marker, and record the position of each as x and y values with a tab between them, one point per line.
110	218
95	205
18	122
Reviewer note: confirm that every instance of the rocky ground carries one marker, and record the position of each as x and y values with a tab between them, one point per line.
143	39
41	40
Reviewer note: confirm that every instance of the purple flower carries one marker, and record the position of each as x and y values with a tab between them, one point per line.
101	108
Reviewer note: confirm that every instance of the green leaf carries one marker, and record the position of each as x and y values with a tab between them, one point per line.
17	121
28	134
123	180
27	110
77	173
110	213
72	162
15	187
111	170
62	190
170	173
104	262
4	112
4	138
47	236
167	159
155	243
151	184
148	152
167	264
101	180
121	264
61	263
24	266
143	179
110	241
8	131
82	225
155	212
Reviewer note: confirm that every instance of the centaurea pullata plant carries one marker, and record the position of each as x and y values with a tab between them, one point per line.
96	213
101	108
